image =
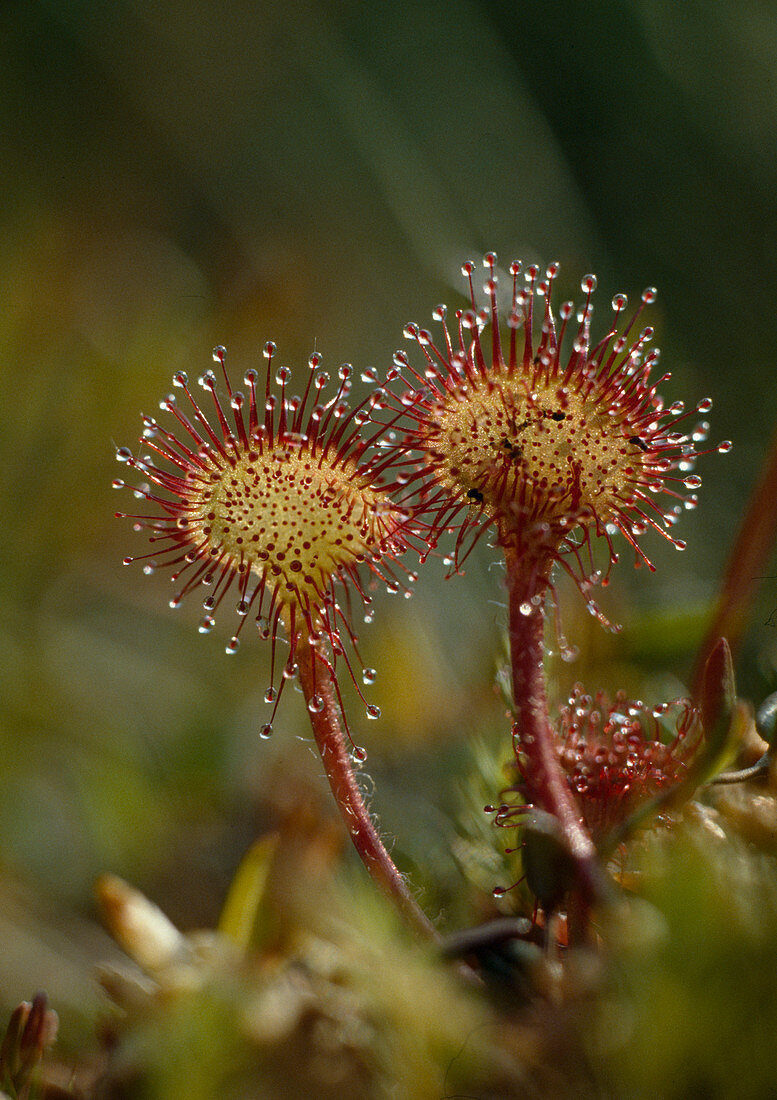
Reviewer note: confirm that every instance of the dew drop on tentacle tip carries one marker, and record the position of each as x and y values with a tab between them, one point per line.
372	711
359	754
266	731
499	891
316	704
369	675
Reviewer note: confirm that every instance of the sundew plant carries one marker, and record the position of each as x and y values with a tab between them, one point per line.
544	434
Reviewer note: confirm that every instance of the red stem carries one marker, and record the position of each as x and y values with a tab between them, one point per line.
549	789
747	562
316	679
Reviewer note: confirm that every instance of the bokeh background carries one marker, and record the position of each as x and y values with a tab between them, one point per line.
179	175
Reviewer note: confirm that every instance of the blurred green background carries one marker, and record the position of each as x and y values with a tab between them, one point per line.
178	175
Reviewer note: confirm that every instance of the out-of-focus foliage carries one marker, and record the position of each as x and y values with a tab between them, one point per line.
690	1007
331	1000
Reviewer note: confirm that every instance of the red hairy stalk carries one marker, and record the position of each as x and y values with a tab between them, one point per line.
315	676
534	738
